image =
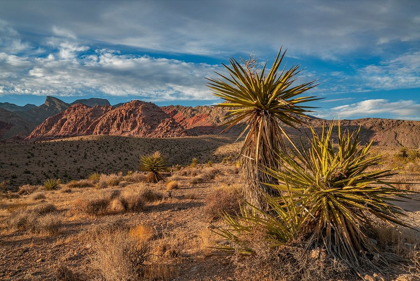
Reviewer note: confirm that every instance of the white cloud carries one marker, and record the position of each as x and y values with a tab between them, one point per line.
399	73
63	32
326	29
68	71
403	109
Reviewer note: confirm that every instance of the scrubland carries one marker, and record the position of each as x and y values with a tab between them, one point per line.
105	222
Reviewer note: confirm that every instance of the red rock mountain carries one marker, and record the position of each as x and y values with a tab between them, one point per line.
77	120
135	118
199	120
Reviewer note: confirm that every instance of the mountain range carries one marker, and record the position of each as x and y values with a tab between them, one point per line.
57	119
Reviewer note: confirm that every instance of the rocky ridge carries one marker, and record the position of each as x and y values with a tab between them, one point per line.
136	118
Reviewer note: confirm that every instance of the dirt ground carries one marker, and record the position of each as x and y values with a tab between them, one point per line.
180	244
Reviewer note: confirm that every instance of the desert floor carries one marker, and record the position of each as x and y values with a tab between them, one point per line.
170	235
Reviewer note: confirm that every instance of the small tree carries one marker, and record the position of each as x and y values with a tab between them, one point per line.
264	102
154	164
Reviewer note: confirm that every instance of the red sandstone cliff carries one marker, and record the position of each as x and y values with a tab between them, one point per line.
135	118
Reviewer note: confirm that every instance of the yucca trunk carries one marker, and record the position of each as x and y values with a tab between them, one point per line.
259	151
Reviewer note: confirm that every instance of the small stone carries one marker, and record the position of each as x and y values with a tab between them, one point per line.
40	260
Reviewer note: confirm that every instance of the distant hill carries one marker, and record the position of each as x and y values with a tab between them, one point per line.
13	127
50	107
92	102
13	107
56	119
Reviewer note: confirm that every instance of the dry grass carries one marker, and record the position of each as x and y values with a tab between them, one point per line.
135	177
223	200
172	185
142	233
27	189
97	206
43	218
109	180
80	184
38	196
118	256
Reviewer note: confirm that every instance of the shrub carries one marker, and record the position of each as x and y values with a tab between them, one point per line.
135	177
198	179
150	196
133	200
39	219
223	200
44	209
95	207
142	233
172	185
118	256
51	184
50	223
194	163
38	196
210	164
27	189
95	177
80	184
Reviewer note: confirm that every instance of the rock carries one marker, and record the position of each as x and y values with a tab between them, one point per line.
135	118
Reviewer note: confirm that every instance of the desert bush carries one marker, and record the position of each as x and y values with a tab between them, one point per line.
44	209
194	163
51	184
142	233
27	189
172	185
38	196
80	184
154	164
94	177
96	206
198	179
23	220
224	200
39	219
133	200
210	163
135	177
118	256
150	195
110	180
50	223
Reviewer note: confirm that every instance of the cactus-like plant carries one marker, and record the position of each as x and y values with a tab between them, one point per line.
264	102
154	164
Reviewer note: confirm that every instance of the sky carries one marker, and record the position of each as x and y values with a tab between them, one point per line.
365	55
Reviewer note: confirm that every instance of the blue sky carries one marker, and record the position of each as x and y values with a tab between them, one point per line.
365	55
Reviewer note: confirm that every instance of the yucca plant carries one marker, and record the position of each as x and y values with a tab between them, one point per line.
264	102
339	192
154	164
51	184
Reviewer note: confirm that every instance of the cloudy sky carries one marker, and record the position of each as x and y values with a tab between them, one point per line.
365	55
